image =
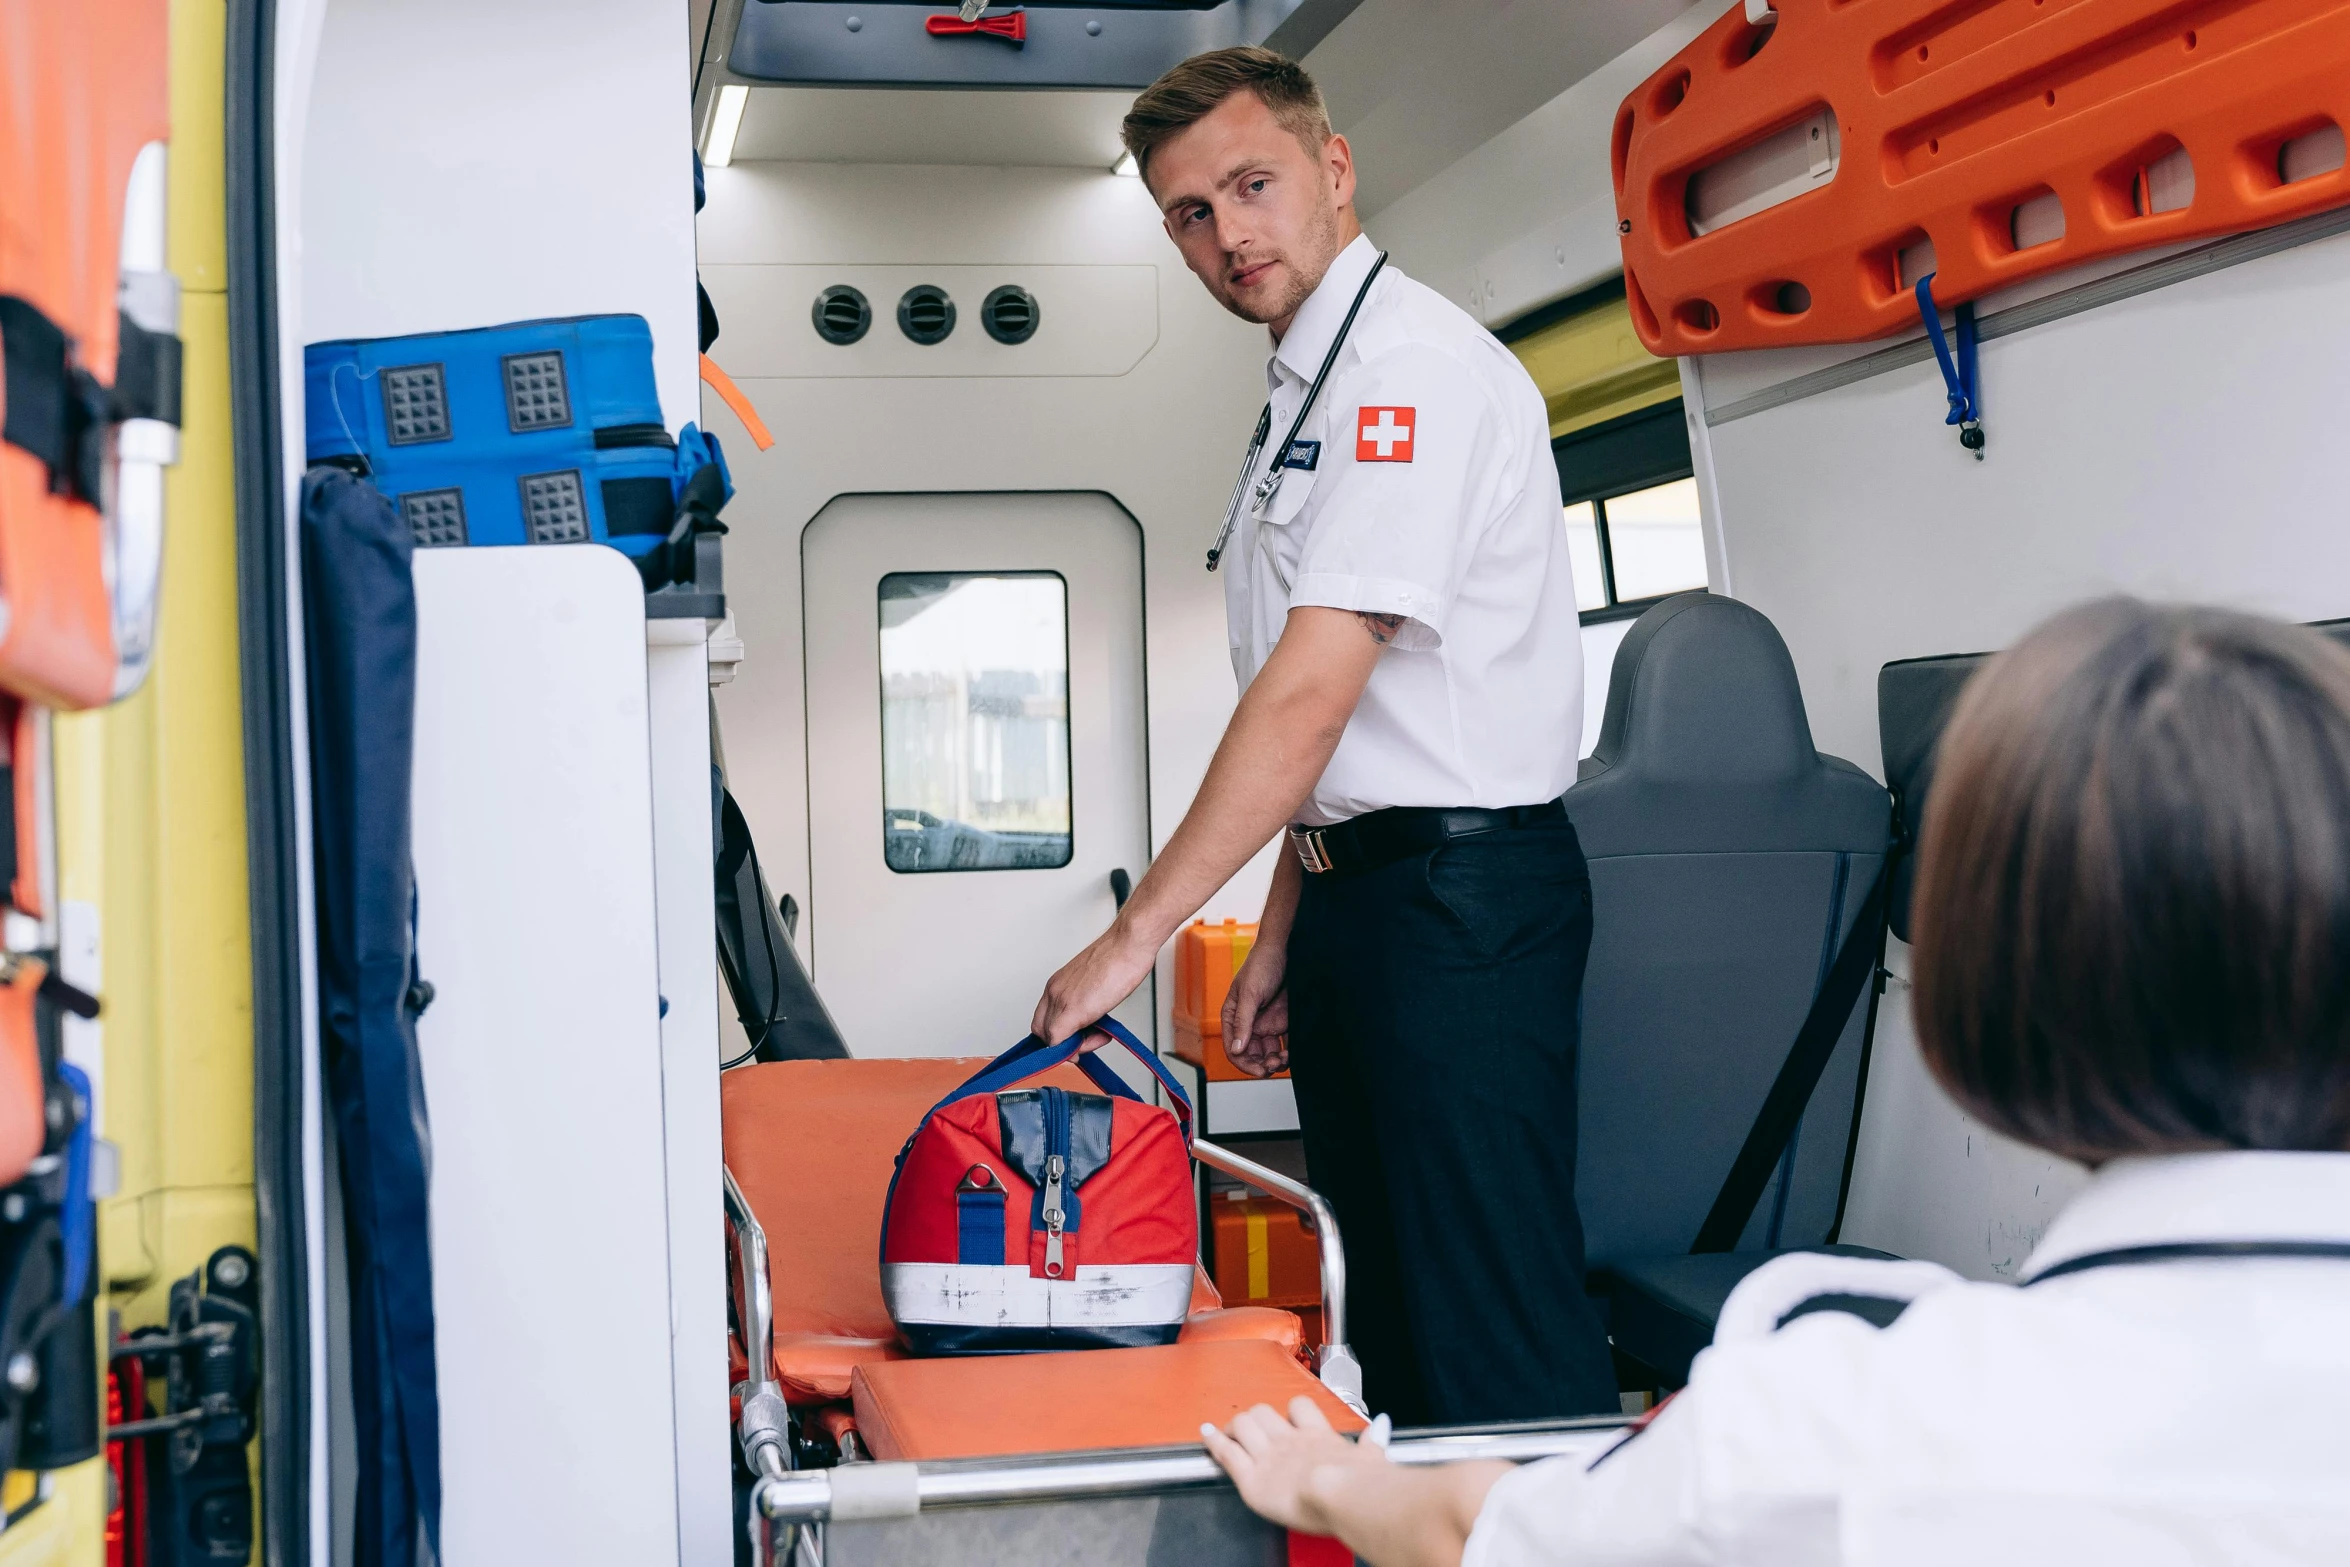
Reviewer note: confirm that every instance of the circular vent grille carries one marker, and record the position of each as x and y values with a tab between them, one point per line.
925	314
1010	314
841	314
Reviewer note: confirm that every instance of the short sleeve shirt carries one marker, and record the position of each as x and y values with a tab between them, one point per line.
1421	485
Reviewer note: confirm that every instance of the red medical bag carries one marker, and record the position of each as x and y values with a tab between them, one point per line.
1037	1218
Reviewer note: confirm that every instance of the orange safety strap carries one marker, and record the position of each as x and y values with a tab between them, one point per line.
735	398
1986	142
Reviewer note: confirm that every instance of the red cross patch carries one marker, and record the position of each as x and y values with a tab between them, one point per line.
1384	434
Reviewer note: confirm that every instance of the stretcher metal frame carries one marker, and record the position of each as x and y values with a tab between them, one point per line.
791	1514
765	1426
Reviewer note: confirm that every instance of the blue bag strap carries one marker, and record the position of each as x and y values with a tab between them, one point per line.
1032	1057
79	1220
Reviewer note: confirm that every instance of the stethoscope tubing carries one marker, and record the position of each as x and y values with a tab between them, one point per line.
1270	485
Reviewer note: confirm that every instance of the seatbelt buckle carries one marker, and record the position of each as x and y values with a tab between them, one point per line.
1313	851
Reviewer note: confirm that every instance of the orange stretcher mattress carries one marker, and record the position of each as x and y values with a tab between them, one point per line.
1075	1402
812	1145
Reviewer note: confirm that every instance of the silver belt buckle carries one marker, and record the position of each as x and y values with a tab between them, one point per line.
1312	852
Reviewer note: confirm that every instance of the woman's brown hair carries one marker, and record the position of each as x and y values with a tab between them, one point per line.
2133	899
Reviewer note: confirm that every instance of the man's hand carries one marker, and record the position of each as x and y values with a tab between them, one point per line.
1290	1468
1256	1011
1282	735
1091	983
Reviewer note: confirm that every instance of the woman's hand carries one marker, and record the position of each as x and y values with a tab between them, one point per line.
1290	1469
1302	1475
1256	1011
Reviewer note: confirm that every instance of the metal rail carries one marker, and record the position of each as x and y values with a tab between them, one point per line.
897	1490
765	1425
1341	1373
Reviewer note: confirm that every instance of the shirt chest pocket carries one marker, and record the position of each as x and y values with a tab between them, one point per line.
1281	530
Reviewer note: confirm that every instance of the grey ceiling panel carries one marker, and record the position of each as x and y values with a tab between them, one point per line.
884	43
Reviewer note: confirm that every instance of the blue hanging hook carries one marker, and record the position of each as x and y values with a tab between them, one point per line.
1958	371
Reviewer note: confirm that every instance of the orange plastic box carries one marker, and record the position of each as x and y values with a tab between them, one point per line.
1265	1256
1206	957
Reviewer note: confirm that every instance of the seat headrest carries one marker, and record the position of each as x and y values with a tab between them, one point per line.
1703	687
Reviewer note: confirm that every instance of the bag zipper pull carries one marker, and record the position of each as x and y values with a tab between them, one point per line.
1054	1165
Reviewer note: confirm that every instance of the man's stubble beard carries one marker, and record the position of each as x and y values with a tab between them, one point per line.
1323	239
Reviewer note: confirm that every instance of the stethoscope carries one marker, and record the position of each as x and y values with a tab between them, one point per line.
1270	485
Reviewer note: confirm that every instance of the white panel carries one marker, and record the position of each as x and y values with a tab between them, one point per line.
542	1059
2182	444
1780	167
469	164
677	671
1096	320
952	962
1237	1108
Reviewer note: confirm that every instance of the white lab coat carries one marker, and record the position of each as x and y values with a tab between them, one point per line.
2148	1414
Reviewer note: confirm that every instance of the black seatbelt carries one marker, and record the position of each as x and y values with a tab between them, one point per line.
780	1011
1799	1074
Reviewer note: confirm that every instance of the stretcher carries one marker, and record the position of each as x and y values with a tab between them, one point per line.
821	1377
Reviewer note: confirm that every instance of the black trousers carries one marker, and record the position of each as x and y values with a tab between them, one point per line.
1433	1033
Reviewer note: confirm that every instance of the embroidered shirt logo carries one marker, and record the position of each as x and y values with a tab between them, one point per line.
1384	434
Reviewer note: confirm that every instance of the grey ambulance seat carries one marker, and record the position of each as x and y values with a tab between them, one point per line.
1728	859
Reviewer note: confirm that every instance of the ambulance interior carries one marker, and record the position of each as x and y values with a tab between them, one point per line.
967	670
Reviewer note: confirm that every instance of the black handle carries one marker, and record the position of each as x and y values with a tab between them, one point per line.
1121	886
789	907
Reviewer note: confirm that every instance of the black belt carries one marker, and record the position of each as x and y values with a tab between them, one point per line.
1364	843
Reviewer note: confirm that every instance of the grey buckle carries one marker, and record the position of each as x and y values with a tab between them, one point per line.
1312	852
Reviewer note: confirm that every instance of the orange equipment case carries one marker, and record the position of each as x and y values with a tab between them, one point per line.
1206	958
1951	117
811	1145
91	77
1265	1256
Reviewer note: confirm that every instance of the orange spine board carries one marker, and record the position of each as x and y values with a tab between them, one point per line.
1951	114
87	87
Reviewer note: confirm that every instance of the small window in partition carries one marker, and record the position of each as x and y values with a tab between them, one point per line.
974	721
1633	533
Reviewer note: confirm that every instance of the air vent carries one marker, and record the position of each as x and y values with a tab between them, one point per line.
925	314
1009	314
841	314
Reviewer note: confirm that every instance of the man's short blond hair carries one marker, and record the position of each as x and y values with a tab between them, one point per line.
1195	89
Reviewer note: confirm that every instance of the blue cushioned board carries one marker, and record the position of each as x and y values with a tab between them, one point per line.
536	432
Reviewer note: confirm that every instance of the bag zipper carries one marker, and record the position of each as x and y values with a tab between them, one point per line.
1056	1164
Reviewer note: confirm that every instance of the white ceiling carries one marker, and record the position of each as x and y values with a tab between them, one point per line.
1418	84
1415	85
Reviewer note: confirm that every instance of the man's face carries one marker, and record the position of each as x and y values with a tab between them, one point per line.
1257	215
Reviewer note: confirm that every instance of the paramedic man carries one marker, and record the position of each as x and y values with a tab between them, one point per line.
2129	915
1404	629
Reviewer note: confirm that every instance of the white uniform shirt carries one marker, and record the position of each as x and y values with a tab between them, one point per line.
1432	495
2150	1414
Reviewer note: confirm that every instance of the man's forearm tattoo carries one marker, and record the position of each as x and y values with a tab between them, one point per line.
1382	627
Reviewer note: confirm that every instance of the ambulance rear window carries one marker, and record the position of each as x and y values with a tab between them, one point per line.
974	721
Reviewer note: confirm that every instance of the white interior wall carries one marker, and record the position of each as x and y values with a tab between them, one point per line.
1162	431
462	165
2183	444
458	173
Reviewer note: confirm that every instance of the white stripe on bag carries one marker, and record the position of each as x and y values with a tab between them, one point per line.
1134	1294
